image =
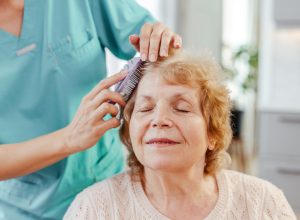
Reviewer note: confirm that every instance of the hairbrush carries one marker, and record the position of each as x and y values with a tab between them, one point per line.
127	86
130	82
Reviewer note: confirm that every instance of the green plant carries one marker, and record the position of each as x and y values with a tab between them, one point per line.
246	58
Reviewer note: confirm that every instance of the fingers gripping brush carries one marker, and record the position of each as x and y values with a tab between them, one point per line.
127	86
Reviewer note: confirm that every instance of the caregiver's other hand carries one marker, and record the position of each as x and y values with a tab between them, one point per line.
154	40
88	124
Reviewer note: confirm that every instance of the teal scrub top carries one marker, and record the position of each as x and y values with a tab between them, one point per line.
44	74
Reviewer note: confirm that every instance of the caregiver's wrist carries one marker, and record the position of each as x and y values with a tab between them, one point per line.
64	149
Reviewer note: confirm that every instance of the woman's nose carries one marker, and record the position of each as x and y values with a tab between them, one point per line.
161	118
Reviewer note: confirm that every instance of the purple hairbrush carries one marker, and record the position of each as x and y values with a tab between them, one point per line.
127	86
130	82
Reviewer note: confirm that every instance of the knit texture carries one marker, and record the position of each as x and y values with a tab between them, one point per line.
240	197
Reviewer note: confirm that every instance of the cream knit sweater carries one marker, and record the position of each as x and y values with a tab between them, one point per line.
240	197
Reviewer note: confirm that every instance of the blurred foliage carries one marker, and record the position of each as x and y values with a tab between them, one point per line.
247	55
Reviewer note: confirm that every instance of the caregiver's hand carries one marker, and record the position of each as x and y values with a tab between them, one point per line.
154	40
87	127
88	124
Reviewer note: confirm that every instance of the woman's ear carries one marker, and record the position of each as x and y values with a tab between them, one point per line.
210	147
211	143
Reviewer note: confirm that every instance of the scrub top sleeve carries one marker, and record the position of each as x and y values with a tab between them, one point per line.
115	21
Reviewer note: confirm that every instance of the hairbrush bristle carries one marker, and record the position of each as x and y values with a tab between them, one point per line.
130	82
127	86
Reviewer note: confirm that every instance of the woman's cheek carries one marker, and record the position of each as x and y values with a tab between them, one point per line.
135	128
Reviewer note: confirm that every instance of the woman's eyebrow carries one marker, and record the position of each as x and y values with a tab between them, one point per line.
176	96
144	97
180	96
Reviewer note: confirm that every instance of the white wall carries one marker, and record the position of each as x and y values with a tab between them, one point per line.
279	74
200	24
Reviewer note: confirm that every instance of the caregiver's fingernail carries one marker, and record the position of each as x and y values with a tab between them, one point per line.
164	53
152	57
143	57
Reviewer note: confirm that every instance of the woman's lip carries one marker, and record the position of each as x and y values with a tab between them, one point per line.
161	141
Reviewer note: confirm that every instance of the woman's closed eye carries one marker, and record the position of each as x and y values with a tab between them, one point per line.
145	109
182	107
182	110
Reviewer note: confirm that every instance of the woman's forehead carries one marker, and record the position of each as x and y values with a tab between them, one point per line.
153	86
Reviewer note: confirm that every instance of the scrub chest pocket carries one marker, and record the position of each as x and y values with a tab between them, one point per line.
78	57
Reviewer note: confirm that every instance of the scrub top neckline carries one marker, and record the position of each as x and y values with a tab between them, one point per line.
28	23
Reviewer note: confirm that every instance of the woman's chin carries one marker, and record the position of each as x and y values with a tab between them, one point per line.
163	164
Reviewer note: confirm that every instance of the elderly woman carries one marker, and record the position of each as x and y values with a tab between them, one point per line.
177	129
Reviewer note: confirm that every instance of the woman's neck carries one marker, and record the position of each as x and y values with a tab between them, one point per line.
189	183
189	193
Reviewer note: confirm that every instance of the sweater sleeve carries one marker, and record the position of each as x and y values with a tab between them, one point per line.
81	208
276	205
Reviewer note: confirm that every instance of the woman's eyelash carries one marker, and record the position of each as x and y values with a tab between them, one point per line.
177	109
182	110
146	110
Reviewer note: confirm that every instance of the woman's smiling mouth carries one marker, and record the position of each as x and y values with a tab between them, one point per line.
162	142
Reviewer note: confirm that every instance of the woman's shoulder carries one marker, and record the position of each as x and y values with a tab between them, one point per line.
257	196
249	182
96	201
112	184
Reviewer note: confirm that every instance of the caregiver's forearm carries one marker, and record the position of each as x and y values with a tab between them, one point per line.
23	158
83	132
